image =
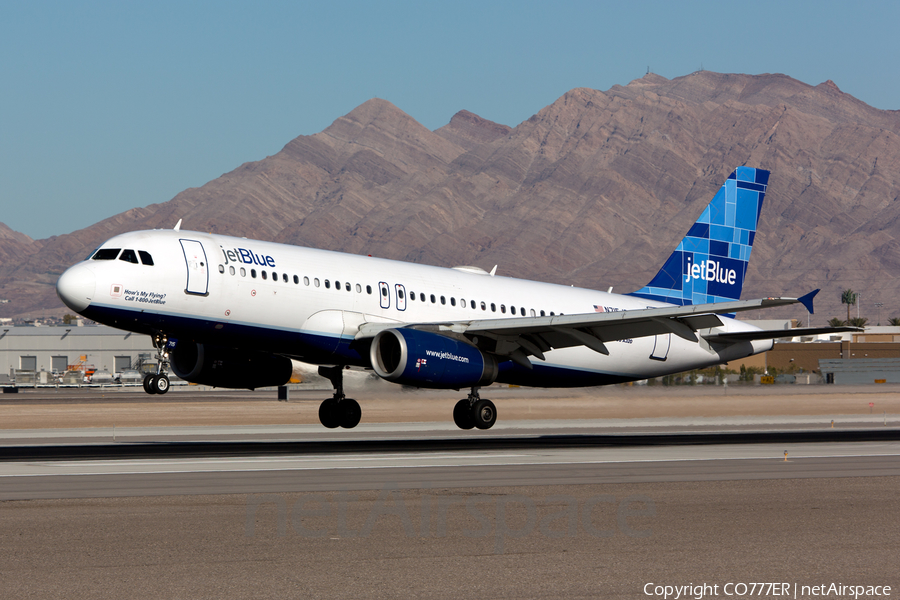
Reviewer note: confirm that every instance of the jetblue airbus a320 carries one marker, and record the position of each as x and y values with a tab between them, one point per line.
234	313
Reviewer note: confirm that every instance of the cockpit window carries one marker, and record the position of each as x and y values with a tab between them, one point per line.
91	254
107	253
129	256
146	258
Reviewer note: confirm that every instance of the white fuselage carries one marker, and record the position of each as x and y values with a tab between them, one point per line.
308	304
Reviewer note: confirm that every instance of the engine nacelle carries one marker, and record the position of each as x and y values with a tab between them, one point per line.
228	367
430	360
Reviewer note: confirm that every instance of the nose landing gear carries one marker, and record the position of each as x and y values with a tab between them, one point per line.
158	383
474	411
338	411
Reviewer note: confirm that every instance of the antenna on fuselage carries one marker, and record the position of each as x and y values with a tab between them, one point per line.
178	225
494	270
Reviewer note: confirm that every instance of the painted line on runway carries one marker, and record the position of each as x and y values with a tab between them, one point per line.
439	465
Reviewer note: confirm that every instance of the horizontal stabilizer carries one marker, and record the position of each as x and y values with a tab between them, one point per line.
774	334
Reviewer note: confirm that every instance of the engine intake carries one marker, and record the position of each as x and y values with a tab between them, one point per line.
228	367
430	360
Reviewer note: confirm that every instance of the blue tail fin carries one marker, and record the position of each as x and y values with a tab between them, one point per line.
710	262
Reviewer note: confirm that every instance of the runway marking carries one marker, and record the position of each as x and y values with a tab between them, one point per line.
439	465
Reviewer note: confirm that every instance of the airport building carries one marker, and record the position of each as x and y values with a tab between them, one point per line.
29	354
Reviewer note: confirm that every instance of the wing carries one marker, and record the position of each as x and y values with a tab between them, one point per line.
519	337
774	334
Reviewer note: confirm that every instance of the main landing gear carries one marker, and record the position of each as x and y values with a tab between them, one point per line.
158	383
474	412
338	411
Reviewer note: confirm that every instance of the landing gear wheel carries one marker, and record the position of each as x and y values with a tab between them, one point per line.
484	413
328	414
148	383
350	413
338	411
462	415
161	384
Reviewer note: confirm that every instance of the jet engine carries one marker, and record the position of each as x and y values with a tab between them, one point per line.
228	367
430	360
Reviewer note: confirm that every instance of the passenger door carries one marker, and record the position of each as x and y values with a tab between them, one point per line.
197	268
661	345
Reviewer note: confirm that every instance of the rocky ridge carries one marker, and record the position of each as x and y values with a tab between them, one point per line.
594	190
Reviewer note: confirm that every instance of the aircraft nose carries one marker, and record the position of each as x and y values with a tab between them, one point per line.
76	287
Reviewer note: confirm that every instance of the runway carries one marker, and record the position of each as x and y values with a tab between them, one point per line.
577	508
553	457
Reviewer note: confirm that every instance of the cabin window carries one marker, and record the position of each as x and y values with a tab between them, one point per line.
369	289
483	306
316	280
400	293
493	307
274	276
421	296
243	272
347	285
532	312
231	270
551	313
358	289
107	253
253	273
472	304
146	258
542	314
296	280
384	291
412	296
452	301
503	308
443	300
327	284
221	268
337	285
433	300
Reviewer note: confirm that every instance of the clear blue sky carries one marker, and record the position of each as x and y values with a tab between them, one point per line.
110	105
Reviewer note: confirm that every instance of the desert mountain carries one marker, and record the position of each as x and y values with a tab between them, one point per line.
594	190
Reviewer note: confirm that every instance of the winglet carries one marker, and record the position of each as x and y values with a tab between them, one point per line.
807	301
178	225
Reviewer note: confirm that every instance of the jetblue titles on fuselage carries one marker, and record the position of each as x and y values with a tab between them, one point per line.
247	257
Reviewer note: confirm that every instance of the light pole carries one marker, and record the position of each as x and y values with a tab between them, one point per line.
878	305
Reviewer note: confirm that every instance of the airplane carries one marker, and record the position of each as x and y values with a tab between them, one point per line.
236	313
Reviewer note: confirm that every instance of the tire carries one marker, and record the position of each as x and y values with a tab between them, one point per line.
328	414
161	384
462	415
350	413
148	384
484	413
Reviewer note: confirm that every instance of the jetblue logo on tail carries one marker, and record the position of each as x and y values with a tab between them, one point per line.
709	270
710	262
